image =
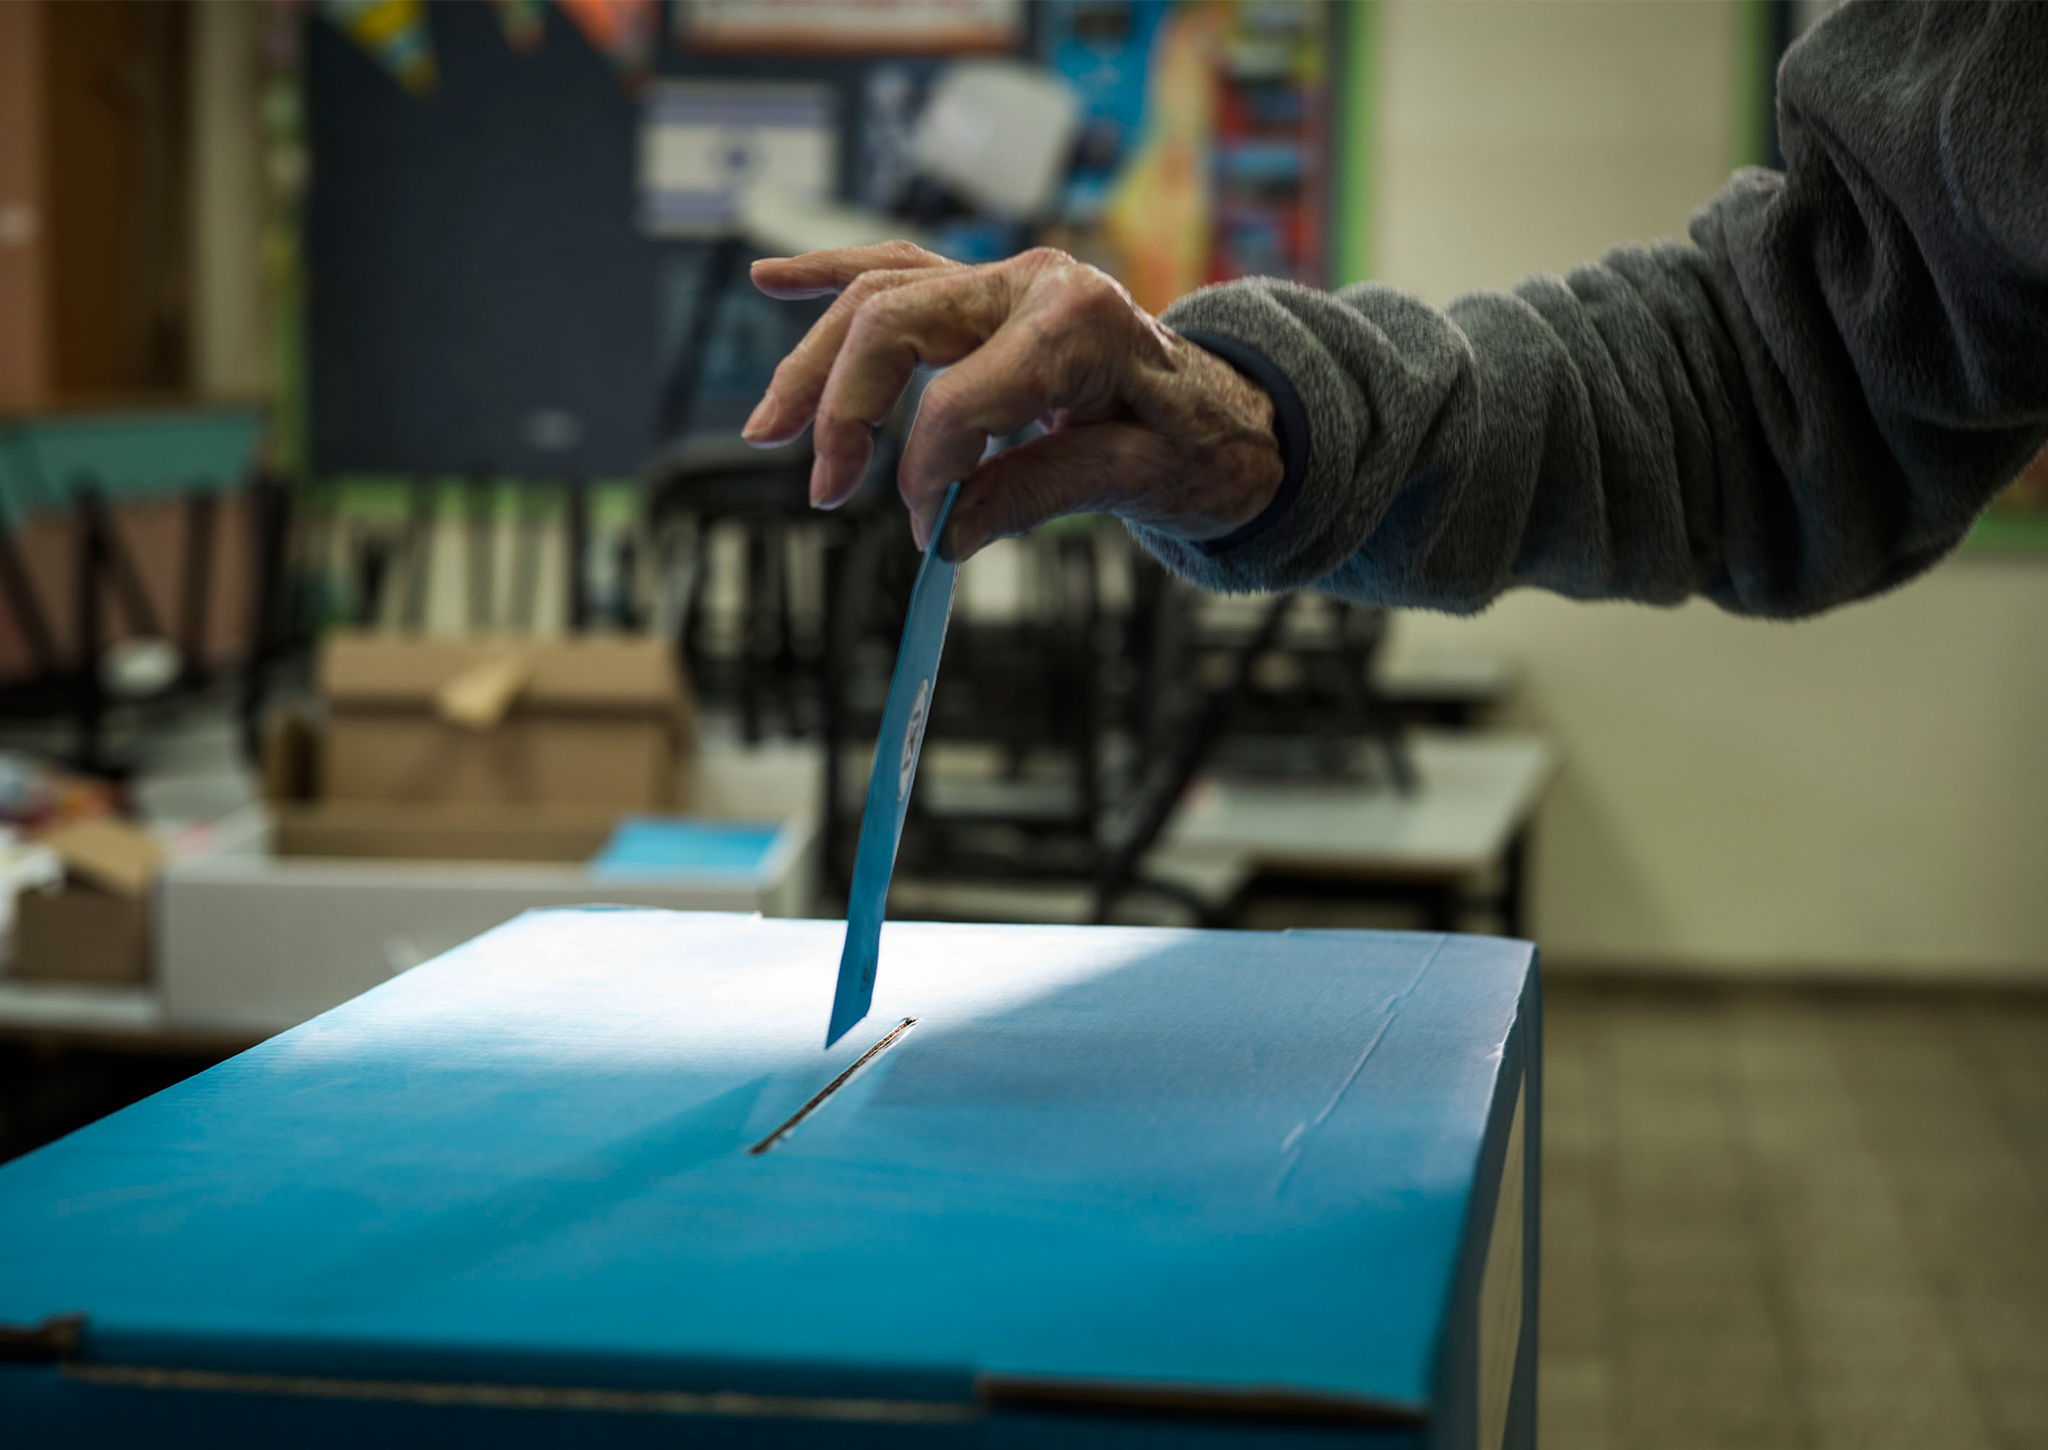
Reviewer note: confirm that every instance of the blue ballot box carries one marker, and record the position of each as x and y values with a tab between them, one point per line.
590	1180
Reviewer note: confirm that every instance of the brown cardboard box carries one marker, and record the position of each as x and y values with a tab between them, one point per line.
94	927
381	830
583	724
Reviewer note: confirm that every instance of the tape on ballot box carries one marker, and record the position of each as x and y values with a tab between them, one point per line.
587	1179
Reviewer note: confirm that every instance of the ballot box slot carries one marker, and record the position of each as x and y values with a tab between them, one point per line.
788	1125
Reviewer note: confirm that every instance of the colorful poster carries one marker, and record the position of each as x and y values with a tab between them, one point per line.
1104	52
1204	131
1270	163
394	32
1158	218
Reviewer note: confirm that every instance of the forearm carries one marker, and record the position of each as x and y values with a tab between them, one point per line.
1517	439
1808	407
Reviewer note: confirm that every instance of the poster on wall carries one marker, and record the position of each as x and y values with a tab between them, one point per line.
1271	131
1202	151
703	143
895	27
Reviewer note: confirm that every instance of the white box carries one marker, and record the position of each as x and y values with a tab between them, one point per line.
250	943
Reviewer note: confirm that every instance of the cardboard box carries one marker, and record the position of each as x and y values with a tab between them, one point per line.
585	722
380	830
592	1180
94	926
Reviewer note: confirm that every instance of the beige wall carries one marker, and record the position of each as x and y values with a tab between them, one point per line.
230	331
1866	792
1517	135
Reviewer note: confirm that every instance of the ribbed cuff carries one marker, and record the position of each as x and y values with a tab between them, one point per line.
1290	424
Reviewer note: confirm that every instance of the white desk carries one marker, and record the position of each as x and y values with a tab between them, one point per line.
1475	797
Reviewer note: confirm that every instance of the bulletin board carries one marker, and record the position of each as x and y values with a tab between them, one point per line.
1205	139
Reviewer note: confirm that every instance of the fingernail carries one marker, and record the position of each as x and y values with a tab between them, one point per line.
764	261
817	483
756	420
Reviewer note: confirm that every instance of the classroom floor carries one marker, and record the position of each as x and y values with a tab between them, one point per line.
1778	1218
1772	1218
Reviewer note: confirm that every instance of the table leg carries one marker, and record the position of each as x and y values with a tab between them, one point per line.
1514	885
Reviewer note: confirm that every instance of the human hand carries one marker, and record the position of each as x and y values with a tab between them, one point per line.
1140	422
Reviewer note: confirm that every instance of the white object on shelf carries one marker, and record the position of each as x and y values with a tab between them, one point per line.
998	133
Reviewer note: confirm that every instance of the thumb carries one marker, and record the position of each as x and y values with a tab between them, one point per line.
1089	468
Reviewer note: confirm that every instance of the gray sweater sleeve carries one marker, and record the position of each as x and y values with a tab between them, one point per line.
1810	404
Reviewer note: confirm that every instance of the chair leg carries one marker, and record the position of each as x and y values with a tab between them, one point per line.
201	510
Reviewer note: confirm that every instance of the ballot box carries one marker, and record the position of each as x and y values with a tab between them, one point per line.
593	1179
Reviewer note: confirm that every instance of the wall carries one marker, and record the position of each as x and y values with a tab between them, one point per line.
119	287
231	345
1863	793
22	207
1517	135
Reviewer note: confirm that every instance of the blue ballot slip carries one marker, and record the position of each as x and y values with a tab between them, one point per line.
587	1181
893	773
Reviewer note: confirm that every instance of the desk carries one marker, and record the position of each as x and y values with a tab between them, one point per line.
590	1179
1442	687
1470	816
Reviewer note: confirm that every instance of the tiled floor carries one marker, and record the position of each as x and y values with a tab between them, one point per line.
1794	1219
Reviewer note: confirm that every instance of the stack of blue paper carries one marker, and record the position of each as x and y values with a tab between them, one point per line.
681	846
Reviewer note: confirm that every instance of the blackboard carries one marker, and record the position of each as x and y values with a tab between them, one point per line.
481	297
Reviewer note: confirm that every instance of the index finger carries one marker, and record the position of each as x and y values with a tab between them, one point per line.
813	274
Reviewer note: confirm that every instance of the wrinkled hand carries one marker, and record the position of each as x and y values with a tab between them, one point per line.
1141	422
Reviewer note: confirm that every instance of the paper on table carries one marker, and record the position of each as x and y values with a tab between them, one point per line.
896	748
